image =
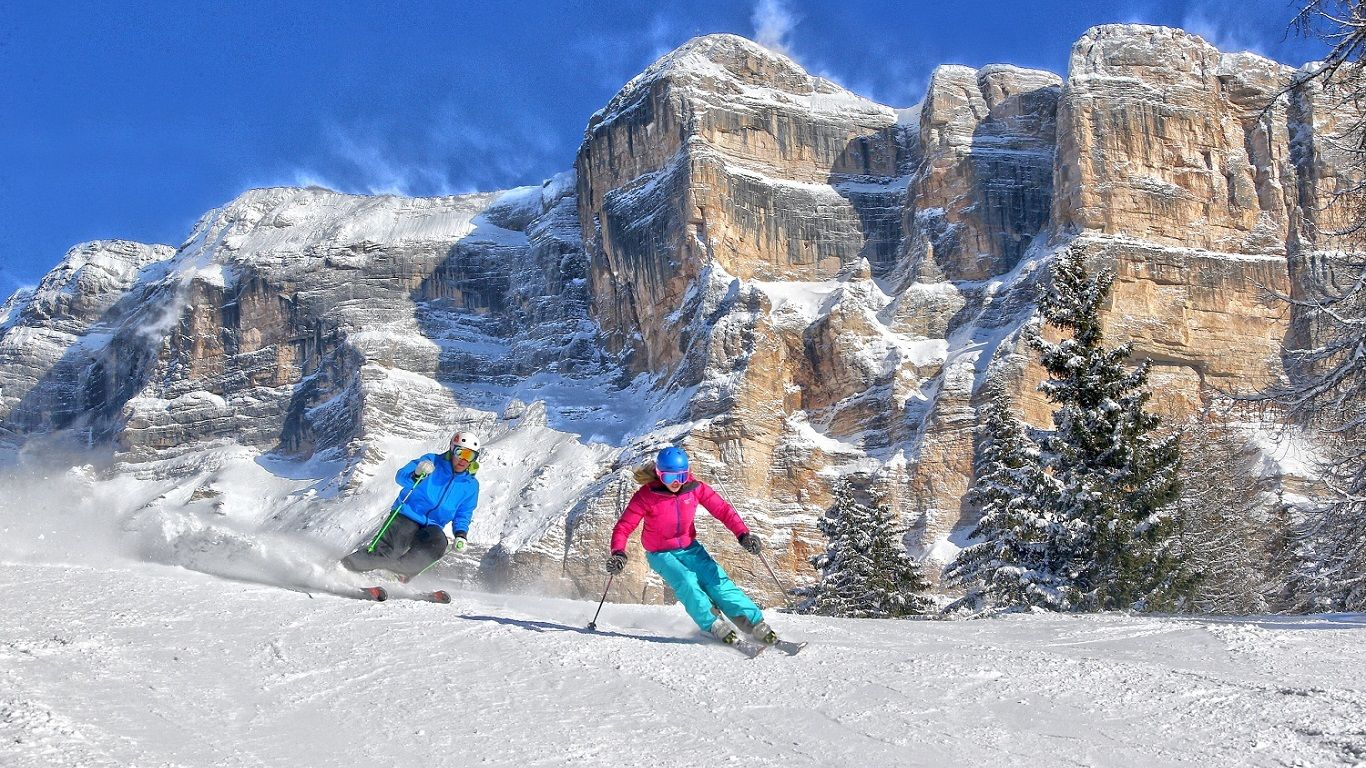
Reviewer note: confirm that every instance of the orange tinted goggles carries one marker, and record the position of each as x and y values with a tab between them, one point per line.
464	453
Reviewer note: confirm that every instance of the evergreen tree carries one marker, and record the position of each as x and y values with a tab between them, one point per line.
865	571
1011	563
1113	524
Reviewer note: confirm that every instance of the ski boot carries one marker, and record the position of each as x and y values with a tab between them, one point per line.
761	632
723	631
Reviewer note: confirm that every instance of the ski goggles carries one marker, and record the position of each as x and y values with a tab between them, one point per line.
669	478
464	453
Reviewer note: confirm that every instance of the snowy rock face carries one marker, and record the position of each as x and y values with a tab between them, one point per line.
793	282
724	153
985	187
278	305
304	323
1161	140
1156	154
51	337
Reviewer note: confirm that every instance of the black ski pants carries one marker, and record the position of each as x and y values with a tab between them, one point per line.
407	548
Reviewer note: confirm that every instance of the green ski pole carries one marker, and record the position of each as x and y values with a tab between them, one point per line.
393	515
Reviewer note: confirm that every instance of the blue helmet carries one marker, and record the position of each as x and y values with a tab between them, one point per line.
671	459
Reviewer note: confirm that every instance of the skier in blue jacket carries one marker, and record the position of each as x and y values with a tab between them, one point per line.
438	490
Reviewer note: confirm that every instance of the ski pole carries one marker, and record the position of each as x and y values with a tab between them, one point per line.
393	515
788	600
593	625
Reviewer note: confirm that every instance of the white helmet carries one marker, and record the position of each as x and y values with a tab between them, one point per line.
465	440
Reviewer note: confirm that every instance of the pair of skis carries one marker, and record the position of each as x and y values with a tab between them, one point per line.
752	648
380	594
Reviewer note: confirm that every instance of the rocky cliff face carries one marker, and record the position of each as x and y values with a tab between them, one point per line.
726	154
985	187
50	337
793	282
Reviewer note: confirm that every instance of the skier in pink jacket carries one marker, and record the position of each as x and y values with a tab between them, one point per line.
667	501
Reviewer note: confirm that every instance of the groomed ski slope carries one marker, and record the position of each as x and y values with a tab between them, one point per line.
149	665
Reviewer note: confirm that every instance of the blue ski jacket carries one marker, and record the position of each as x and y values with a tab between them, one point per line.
442	498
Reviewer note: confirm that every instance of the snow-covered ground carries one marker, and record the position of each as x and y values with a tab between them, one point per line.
140	626
113	662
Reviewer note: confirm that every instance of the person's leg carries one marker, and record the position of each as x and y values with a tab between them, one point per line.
712	580
429	544
684	585
391	546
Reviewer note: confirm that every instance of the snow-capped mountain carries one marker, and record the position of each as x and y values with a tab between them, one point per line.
796	283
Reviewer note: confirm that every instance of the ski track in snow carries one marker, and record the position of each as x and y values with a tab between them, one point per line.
148	665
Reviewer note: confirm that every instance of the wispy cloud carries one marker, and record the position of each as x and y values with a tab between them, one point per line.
896	82
883	72
441	153
371	158
773	23
1226	28
613	59
1136	12
9	284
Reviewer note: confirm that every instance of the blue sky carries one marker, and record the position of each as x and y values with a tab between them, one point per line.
130	119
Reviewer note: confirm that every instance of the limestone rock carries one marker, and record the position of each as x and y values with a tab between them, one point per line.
50	337
1153	143
984	188
724	152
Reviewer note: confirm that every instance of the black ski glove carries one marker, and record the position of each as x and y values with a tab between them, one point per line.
616	563
751	543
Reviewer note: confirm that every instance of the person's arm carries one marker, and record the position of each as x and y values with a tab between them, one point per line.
405	474
627	524
721	509
460	522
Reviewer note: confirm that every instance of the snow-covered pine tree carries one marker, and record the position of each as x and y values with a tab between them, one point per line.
1009	564
1112	533
865	571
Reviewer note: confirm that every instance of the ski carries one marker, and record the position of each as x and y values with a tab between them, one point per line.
789	647
380	594
748	647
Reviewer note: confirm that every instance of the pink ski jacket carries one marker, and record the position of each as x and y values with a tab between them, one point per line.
669	517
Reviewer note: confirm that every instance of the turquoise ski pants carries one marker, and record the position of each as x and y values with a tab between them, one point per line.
699	583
